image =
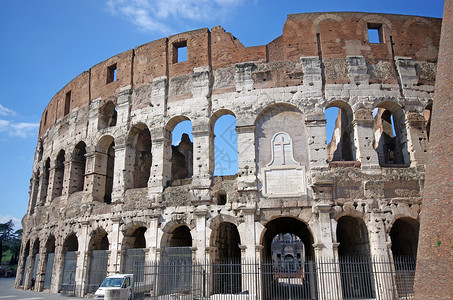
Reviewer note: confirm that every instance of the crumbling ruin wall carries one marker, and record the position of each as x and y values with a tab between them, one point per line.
125	108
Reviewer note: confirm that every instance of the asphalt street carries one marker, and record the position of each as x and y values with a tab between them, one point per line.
8	292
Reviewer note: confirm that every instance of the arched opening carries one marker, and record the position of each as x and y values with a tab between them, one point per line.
105	163
70	248
427	114
34	263
50	258
182	150
175	272
390	135
225	144
404	237
143	159
134	244
227	277
98	247
107	116
78	168
339	132
354	254
287	266
25	262
58	179
45	182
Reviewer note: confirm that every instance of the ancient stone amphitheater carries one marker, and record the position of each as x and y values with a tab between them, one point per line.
109	189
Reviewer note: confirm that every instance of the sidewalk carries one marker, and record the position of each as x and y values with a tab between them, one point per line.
8	292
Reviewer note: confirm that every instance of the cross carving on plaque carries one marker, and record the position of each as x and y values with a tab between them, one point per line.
282	144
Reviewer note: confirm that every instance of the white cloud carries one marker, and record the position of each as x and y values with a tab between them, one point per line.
5	218
6	111
23	129
19	129
154	15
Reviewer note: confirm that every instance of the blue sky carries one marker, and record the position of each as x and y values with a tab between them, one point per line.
46	43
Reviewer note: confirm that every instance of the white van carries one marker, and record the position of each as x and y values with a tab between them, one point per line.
121	282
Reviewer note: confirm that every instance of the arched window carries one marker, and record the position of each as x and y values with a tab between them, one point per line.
107	115
58	179
225	144
143	157
428	113
78	168
182	151
390	134
339	132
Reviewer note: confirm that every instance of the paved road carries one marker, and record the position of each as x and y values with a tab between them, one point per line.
8	292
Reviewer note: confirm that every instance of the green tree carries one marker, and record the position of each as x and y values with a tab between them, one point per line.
6	232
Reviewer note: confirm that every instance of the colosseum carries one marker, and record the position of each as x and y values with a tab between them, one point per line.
112	192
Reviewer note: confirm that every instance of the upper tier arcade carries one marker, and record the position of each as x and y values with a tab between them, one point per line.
330	36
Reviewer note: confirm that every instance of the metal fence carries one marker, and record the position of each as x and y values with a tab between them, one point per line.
344	278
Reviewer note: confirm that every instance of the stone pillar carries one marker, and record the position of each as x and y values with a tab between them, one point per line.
115	239
243	76
122	108
43	186
57	272
34	188
29	270
161	168
357	70
151	236
51	182
96	174
68	162
417	139
246	158
159	96
200	239
83	260
407	74
203	161
248	243
118	173
363	140
379	253
312	78
41	269
326	259
316	127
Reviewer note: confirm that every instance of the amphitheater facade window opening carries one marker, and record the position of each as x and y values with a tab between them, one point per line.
339	133
375	33
180	51
225	146
67	103
182	151
111	73
57	185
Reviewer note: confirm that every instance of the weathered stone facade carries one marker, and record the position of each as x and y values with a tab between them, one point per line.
104	173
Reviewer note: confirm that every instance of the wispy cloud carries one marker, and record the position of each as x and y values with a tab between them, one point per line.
16	129
6	112
155	15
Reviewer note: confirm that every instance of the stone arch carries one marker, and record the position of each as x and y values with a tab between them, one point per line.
354	254
105	162
139	157
325	17
341	146
181	153
404	236
133	245
70	253
178	236
273	260
224	141
107	115
78	166
58	177
49	260
97	247
390	135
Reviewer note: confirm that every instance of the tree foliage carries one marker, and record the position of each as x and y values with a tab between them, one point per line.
10	240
